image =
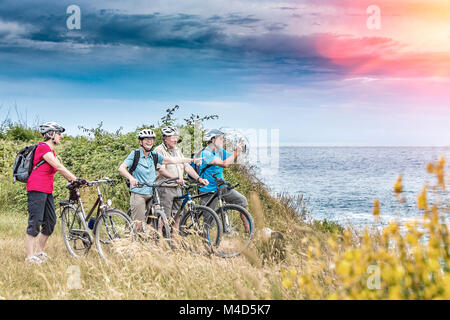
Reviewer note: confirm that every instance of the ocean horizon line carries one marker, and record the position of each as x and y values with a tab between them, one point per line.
351	145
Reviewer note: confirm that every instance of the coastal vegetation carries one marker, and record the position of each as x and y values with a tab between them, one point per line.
291	257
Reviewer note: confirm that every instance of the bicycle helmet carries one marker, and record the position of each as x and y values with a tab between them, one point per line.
169	131
213	133
146	133
49	127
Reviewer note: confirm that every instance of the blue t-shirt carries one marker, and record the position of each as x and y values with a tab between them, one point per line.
209	155
145	171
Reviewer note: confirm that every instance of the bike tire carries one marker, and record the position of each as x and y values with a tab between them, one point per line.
76	238
114	232
235	237
208	233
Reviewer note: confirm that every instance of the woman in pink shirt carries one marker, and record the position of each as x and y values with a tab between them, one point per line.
41	206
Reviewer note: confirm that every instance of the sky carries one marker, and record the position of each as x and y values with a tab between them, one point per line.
324	72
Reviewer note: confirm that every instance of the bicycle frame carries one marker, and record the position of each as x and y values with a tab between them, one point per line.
218	194
187	200
99	205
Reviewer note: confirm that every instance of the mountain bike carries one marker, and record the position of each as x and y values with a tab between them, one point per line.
237	222
199	227
109	228
154	215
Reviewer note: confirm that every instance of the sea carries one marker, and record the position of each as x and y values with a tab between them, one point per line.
340	184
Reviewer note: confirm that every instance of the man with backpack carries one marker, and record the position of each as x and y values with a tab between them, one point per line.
168	196
145	163
43	165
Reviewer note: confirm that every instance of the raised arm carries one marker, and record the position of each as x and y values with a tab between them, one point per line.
176	160
228	161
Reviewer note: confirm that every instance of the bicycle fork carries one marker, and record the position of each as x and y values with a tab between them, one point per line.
224	215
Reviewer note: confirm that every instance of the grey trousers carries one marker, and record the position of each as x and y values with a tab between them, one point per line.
167	198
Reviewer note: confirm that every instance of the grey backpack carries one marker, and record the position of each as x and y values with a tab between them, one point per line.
23	166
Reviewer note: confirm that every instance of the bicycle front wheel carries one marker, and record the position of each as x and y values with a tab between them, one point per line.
76	238
238	229
200	230
114	233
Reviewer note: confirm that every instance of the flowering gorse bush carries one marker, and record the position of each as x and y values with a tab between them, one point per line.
410	261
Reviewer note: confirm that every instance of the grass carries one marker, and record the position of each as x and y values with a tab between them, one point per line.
303	259
144	273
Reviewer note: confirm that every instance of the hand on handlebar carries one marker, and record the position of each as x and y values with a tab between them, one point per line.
134	183
204	182
181	181
76	183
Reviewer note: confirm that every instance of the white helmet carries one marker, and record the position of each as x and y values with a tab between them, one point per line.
49	127
146	133
213	133
169	131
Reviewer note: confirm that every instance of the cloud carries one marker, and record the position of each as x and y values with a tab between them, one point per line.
237	39
12	30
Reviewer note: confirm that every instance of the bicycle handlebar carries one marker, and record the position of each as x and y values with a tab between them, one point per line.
83	183
159	185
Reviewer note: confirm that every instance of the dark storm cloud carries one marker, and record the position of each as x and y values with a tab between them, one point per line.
105	36
47	23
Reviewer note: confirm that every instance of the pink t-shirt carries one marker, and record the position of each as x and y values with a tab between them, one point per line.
41	179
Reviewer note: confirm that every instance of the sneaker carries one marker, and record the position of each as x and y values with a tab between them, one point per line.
33	260
43	256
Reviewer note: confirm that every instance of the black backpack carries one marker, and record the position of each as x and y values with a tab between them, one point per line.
23	166
137	155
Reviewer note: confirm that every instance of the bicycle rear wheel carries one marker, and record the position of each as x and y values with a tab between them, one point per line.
200	230
76	237
238	229
114	234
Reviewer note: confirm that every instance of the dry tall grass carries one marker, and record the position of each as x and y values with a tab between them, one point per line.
150	272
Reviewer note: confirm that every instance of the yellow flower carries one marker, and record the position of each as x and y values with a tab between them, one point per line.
293	273
398	187
411	239
422	199
395	293
392	227
287	283
347	236
433	265
376	208
348	255
332	243
334	296
344	268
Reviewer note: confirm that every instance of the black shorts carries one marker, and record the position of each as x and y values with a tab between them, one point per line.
42	215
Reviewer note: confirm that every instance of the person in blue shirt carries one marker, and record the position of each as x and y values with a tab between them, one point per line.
145	173
215	159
